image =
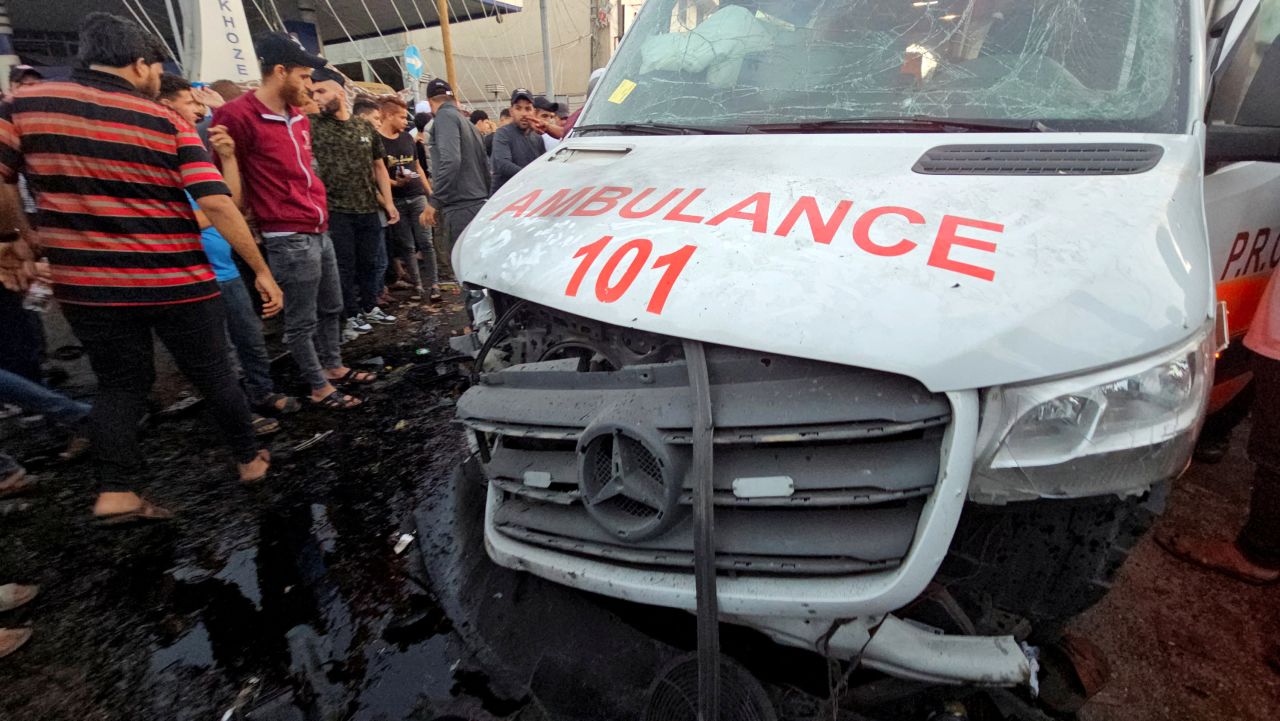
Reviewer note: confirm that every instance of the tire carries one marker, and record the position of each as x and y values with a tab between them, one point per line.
1044	561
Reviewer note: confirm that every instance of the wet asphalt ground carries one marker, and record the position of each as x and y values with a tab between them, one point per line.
290	601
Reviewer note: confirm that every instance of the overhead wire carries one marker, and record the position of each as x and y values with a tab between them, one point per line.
279	19
352	40
496	75
154	29
394	55
265	20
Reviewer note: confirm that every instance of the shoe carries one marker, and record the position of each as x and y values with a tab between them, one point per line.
358	325
349	335
377	316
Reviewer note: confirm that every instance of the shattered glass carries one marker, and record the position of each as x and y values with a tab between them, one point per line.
1120	65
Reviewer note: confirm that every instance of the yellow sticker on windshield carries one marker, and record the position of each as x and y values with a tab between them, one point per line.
621	92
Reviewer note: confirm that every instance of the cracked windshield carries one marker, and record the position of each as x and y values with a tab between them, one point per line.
1103	65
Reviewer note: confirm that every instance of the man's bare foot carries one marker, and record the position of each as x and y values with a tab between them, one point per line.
12	639
255	470
319	394
1218	555
120	508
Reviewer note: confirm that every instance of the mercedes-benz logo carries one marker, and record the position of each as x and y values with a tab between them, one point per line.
628	481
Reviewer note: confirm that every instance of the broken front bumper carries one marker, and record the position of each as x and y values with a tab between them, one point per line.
883	530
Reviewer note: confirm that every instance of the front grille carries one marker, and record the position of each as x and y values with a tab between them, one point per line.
848	458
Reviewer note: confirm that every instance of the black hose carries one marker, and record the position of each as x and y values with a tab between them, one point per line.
498	326
704	549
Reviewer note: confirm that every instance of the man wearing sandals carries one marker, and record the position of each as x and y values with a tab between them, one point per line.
123	246
273	148
244	327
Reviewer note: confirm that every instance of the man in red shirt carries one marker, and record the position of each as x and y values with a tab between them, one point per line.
110	166
273	148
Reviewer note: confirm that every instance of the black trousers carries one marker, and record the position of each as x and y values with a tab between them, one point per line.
1260	539
21	337
120	346
355	243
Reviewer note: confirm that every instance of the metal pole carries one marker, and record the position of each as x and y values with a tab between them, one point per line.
442	9
8	58
546	52
177	34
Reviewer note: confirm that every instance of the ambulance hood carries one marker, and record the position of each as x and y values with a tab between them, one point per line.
831	247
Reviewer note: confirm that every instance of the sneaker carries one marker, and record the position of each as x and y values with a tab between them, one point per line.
377	316
349	335
358	325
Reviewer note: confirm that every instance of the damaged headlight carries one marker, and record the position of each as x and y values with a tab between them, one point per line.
1116	431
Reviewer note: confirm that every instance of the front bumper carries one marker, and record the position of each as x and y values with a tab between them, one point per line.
866	594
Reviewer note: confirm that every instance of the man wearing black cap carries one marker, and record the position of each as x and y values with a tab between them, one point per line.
459	166
548	115
273	149
519	143
348	153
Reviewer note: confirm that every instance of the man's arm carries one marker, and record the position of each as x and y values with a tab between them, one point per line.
225	147
225	216
383	181
446	157
17	257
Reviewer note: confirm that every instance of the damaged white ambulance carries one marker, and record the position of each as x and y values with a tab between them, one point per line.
918	296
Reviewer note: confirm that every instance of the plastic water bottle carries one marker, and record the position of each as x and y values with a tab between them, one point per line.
37	297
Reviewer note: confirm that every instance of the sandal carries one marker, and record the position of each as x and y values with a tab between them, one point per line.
436	297
263	426
1217	555
16	483
355	377
263	455
338	401
271	405
148	512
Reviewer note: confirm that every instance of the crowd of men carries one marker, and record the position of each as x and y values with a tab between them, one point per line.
154	207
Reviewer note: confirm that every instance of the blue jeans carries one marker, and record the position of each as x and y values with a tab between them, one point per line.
411	238
306	269
245	329
36	398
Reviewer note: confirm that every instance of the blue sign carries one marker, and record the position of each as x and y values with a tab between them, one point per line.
413	62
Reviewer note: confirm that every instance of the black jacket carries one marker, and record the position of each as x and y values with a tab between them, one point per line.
459	166
513	149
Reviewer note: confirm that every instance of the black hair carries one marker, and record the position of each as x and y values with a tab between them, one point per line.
420	120
478	115
506	113
172	85
116	42
365	105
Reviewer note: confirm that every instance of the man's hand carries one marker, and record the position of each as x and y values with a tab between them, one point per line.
209	97
272	296
393	215
428	216
223	144
17	265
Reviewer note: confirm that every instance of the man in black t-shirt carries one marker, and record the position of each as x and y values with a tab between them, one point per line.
409	189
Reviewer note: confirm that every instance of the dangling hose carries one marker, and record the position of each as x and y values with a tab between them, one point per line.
704	549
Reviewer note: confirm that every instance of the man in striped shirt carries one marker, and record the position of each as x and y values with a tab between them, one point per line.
110	166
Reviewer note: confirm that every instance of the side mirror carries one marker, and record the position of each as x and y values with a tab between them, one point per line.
1241	143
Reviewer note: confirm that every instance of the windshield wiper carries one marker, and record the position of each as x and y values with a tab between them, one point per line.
915	122
669	129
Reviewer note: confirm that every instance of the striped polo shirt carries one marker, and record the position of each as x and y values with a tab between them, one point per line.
109	169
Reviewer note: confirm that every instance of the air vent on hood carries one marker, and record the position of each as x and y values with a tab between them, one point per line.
1059	159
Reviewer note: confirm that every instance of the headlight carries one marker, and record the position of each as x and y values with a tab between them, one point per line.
1116	431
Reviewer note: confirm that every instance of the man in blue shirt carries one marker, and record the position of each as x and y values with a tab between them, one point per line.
243	324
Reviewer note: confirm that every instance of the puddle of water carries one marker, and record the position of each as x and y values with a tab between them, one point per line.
191	649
